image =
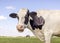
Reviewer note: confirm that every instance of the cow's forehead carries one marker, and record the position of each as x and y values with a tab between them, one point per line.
22	12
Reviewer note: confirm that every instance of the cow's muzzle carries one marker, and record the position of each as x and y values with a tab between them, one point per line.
20	28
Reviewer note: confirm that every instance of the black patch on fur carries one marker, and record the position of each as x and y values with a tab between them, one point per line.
32	14
26	18
37	22
31	23
35	26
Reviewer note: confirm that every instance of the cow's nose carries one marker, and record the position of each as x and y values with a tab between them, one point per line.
20	28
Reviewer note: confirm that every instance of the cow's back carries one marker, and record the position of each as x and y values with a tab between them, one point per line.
52	20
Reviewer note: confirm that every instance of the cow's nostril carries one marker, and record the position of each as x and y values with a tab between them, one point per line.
21	26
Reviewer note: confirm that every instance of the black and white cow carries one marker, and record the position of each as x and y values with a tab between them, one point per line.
43	23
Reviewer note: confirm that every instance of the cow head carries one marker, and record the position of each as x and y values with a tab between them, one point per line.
23	17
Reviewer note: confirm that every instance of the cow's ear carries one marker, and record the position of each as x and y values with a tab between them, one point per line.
32	14
13	15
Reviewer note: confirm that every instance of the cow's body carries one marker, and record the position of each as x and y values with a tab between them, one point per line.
49	29
52	23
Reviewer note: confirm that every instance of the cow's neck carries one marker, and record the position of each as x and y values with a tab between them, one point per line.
37	32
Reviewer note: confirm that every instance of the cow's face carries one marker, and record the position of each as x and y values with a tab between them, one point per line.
22	17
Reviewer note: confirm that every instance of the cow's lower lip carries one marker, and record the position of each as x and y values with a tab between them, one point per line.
20	30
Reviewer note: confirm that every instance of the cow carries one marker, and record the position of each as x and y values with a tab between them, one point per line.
49	25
